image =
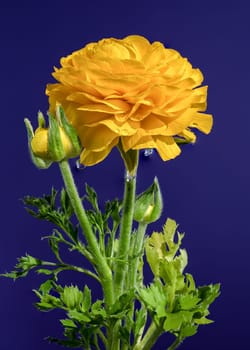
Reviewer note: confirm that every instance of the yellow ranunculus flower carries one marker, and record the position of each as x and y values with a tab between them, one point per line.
130	90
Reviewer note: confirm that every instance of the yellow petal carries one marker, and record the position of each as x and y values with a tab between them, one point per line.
96	138
138	43
167	147
188	135
154	126
129	142
89	157
202	122
120	128
176	125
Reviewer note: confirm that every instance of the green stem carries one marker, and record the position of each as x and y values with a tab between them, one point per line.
137	253
121	261
100	262
175	344
149	338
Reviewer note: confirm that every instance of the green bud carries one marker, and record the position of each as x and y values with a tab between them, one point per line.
148	205
39	162
72	297
53	144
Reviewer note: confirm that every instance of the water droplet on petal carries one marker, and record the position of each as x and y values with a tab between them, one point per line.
148	152
79	166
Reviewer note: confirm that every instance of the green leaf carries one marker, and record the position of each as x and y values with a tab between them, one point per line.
202	320
68	323
91	197
48	302
45	208
78	316
72	297
86	299
122	305
98	310
46	287
155	298
140	320
45	272
24	265
188	330
173	322
188	301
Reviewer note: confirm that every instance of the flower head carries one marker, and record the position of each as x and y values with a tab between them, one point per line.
131	92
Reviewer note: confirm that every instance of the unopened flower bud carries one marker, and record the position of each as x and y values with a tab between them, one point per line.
53	144
71	297
41	163
148	205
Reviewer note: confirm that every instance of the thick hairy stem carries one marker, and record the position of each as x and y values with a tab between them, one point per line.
149	338
137	253
100	261
175	344
121	261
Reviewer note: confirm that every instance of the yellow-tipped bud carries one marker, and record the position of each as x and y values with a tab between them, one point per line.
53	144
39	143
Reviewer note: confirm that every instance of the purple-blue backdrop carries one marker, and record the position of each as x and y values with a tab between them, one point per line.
206	189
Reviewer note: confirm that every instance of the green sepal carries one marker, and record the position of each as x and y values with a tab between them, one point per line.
41	120
130	159
55	147
69	130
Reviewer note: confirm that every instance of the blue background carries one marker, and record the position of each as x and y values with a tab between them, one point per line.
206	189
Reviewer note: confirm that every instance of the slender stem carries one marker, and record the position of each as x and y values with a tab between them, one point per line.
137	253
102	337
121	262
100	262
149	338
175	344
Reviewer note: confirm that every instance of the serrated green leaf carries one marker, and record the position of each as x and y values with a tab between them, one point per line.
188	331
175	320
169	230
86	299
23	267
68	323
97	309
209	293
72	297
43	306
44	272
140	320
188	301
155	298
78	316
91	196
203	320
46	287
